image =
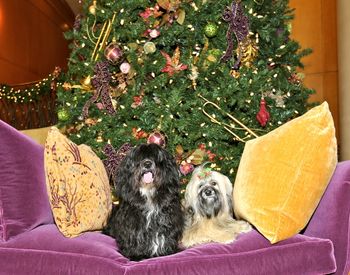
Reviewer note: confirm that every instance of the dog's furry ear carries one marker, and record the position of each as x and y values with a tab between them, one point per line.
228	189
188	215
122	176
170	173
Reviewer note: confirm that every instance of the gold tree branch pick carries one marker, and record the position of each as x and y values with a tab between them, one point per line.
226	126
102	39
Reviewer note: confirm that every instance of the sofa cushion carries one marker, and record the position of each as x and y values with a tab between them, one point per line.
283	174
77	184
331	219
23	199
44	250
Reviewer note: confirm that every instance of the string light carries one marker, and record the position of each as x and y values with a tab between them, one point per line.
27	94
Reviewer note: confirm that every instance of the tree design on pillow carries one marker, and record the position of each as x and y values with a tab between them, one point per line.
66	194
77	184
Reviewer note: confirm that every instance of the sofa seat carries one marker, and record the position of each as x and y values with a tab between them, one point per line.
44	250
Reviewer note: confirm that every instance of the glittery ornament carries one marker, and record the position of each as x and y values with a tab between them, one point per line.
263	115
157	138
211	30
63	115
100	82
113	53
248	50
149	47
238	27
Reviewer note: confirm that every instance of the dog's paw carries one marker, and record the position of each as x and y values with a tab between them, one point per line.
244	226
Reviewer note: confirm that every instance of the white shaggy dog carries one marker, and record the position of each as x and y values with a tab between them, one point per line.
208	208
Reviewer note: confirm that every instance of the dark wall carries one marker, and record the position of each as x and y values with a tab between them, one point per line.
31	38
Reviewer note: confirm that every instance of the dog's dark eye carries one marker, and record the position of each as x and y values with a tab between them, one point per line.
213	183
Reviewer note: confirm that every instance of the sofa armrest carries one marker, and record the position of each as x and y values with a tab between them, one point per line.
331	218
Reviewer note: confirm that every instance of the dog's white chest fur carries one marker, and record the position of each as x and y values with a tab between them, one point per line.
151	211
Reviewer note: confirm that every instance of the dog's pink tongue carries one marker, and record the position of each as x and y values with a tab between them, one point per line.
147	177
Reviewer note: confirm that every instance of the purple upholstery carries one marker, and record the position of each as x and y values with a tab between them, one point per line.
331	219
45	250
31	244
24	203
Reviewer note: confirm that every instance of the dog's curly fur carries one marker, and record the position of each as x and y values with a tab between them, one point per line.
148	221
209	211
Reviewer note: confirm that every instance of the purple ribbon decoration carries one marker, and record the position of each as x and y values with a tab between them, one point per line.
100	82
239	26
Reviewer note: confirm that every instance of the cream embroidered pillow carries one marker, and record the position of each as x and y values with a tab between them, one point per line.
77	185
283	174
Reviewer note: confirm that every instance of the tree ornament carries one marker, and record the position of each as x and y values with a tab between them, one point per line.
173	64
210	30
235	73
125	67
149	47
113	53
186	168
296	78
157	138
77	22
137	101
92	8
99	138
152	33
63	115
238	26
138	133
263	115
231	128
100	82
86	83
248	50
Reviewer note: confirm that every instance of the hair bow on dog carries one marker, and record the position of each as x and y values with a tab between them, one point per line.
204	173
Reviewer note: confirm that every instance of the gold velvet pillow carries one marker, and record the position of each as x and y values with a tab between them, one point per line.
77	185
283	174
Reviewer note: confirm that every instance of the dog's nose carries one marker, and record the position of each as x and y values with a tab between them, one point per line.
208	192
147	164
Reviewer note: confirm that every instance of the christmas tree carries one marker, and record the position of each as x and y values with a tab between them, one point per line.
198	77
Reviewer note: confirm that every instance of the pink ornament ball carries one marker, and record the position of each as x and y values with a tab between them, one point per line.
113	53
125	67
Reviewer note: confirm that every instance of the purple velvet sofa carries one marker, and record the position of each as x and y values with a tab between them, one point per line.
31	244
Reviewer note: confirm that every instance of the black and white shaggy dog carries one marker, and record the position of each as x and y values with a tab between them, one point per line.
209	212
148	221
